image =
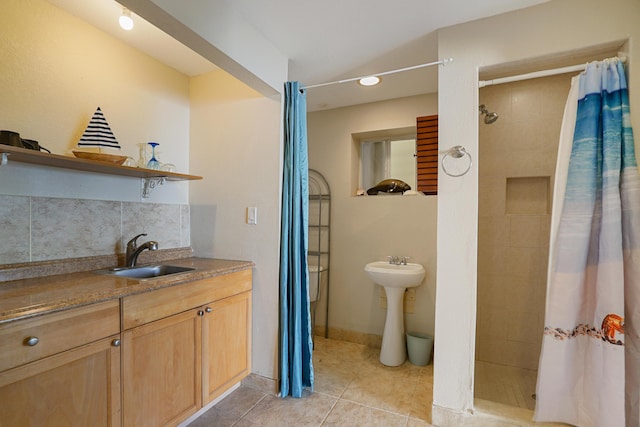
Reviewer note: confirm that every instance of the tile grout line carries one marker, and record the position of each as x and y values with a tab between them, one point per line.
264	395
374	407
330	410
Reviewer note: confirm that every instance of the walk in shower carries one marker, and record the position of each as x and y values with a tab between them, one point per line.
517	159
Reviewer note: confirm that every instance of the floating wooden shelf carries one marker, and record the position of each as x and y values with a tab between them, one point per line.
66	162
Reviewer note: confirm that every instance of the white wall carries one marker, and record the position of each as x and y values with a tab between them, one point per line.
56	70
220	34
235	146
365	229
548	29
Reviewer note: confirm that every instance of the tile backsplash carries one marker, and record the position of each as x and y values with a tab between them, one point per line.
44	228
14	229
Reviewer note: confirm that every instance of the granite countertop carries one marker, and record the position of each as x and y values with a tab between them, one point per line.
29	297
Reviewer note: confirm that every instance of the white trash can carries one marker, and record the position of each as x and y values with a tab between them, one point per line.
419	347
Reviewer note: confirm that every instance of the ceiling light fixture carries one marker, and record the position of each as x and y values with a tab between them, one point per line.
125	19
369	81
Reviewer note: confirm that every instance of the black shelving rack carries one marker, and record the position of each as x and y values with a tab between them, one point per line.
318	255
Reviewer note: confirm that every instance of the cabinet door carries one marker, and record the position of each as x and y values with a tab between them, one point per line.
161	368
226	330
79	387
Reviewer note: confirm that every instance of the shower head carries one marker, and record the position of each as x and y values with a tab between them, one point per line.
488	116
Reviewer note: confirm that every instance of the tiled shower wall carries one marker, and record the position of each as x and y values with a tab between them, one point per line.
516	172
43	228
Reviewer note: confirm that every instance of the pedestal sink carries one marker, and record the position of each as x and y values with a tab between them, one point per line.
395	278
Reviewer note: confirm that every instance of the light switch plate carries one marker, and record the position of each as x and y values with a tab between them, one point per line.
252	215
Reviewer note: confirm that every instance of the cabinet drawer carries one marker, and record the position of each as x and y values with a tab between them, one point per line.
149	306
53	333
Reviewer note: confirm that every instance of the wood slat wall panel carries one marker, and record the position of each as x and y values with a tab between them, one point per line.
427	154
427	161
425	120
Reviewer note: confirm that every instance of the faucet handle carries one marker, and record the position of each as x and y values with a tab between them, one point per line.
404	260
132	243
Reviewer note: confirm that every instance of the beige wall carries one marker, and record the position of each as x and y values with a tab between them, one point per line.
56	70
556	28
365	229
516	175
235	146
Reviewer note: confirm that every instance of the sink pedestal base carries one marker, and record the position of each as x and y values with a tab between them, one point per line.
394	348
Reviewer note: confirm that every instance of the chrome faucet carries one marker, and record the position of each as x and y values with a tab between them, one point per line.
398	260
133	250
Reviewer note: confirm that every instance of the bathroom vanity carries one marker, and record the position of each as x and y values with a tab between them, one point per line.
95	349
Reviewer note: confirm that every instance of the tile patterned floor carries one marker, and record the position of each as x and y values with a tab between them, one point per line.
505	384
352	388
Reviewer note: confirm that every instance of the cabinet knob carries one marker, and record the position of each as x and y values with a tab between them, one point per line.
208	310
200	313
116	342
31	341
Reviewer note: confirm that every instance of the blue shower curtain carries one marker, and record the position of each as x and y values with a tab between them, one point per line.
589	364
296	367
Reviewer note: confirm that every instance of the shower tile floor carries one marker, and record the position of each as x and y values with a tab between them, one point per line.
352	388
505	384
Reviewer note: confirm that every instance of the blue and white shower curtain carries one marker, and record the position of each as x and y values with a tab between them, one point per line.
296	347
590	361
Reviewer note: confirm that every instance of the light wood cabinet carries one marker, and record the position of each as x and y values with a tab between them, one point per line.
182	346
226	331
31	339
49	379
161	371
185	345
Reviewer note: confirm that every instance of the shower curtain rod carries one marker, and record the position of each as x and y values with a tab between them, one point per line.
537	74
414	67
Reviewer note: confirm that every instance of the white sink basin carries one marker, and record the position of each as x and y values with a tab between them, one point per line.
395	276
395	279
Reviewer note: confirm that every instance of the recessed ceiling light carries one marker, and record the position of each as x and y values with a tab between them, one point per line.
369	81
125	19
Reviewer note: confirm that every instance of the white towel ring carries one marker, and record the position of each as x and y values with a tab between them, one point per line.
456	152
